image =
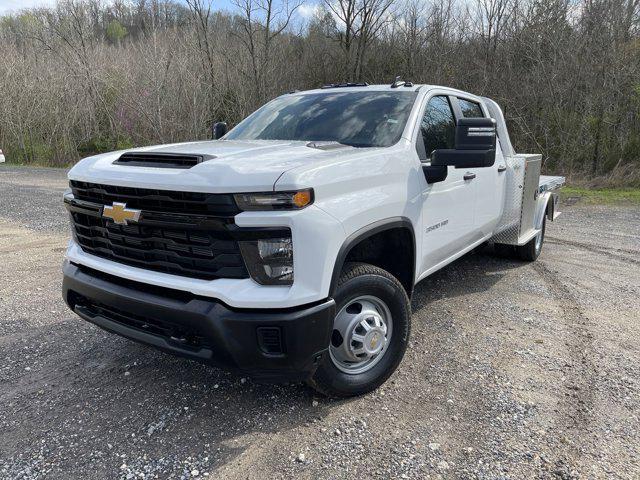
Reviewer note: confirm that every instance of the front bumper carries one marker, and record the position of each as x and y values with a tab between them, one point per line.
266	344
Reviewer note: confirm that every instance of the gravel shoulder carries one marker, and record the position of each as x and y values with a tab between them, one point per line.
514	371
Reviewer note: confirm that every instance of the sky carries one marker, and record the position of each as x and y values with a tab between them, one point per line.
7	6
306	10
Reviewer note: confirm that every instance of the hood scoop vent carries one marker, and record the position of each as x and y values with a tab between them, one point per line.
161	159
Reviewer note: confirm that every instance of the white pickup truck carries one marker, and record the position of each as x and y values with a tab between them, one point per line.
288	248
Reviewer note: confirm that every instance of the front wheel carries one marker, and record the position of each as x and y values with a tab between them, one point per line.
370	332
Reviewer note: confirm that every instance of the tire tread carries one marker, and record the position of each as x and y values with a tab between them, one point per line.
350	271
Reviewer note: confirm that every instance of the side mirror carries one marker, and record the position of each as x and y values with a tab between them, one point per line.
434	174
475	145
219	130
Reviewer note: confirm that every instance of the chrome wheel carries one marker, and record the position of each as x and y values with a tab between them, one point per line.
361	333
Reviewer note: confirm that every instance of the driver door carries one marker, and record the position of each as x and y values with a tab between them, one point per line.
448	206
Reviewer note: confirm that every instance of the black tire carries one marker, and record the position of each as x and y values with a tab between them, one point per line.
359	279
530	251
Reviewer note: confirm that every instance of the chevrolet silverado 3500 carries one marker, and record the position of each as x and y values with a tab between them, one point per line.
289	247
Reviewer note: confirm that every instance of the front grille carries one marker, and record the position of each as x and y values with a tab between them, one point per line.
166	201
205	254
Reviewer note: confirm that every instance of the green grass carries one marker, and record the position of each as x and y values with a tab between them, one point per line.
35	165
607	196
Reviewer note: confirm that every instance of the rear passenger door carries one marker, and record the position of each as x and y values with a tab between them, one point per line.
488	181
448	206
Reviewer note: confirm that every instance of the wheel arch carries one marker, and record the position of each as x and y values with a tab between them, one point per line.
383	230
546	206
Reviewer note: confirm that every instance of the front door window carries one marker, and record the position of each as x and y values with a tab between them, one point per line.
438	126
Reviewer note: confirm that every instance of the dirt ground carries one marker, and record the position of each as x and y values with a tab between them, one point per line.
514	371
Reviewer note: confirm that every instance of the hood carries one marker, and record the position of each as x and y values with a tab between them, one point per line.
238	166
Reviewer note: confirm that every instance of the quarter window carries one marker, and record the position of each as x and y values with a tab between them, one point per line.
437	126
470	109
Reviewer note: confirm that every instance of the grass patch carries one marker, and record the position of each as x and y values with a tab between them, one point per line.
35	165
606	196
38	163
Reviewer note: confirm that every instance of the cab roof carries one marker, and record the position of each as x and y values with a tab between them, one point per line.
384	88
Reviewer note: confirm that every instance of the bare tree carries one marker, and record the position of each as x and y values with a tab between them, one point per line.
262	22
565	71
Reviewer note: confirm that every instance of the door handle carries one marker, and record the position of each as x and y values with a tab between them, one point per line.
501	168
469	176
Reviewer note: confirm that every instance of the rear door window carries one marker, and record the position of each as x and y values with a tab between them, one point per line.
438	126
470	109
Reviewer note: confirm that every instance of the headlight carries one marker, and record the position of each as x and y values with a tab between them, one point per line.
269	261
275	200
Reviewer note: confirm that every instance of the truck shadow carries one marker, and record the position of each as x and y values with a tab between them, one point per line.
138	407
477	271
156	413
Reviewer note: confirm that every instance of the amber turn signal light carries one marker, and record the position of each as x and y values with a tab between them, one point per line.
302	198
275	200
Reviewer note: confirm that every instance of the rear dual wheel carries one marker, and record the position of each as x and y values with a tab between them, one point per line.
370	332
531	250
528	252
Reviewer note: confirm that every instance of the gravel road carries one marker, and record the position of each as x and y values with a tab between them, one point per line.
514	371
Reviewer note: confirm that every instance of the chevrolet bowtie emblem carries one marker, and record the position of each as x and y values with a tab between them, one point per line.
120	214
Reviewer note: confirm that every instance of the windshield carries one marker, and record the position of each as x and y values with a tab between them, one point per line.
360	119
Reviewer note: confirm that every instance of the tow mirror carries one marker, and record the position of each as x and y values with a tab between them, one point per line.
475	145
219	130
